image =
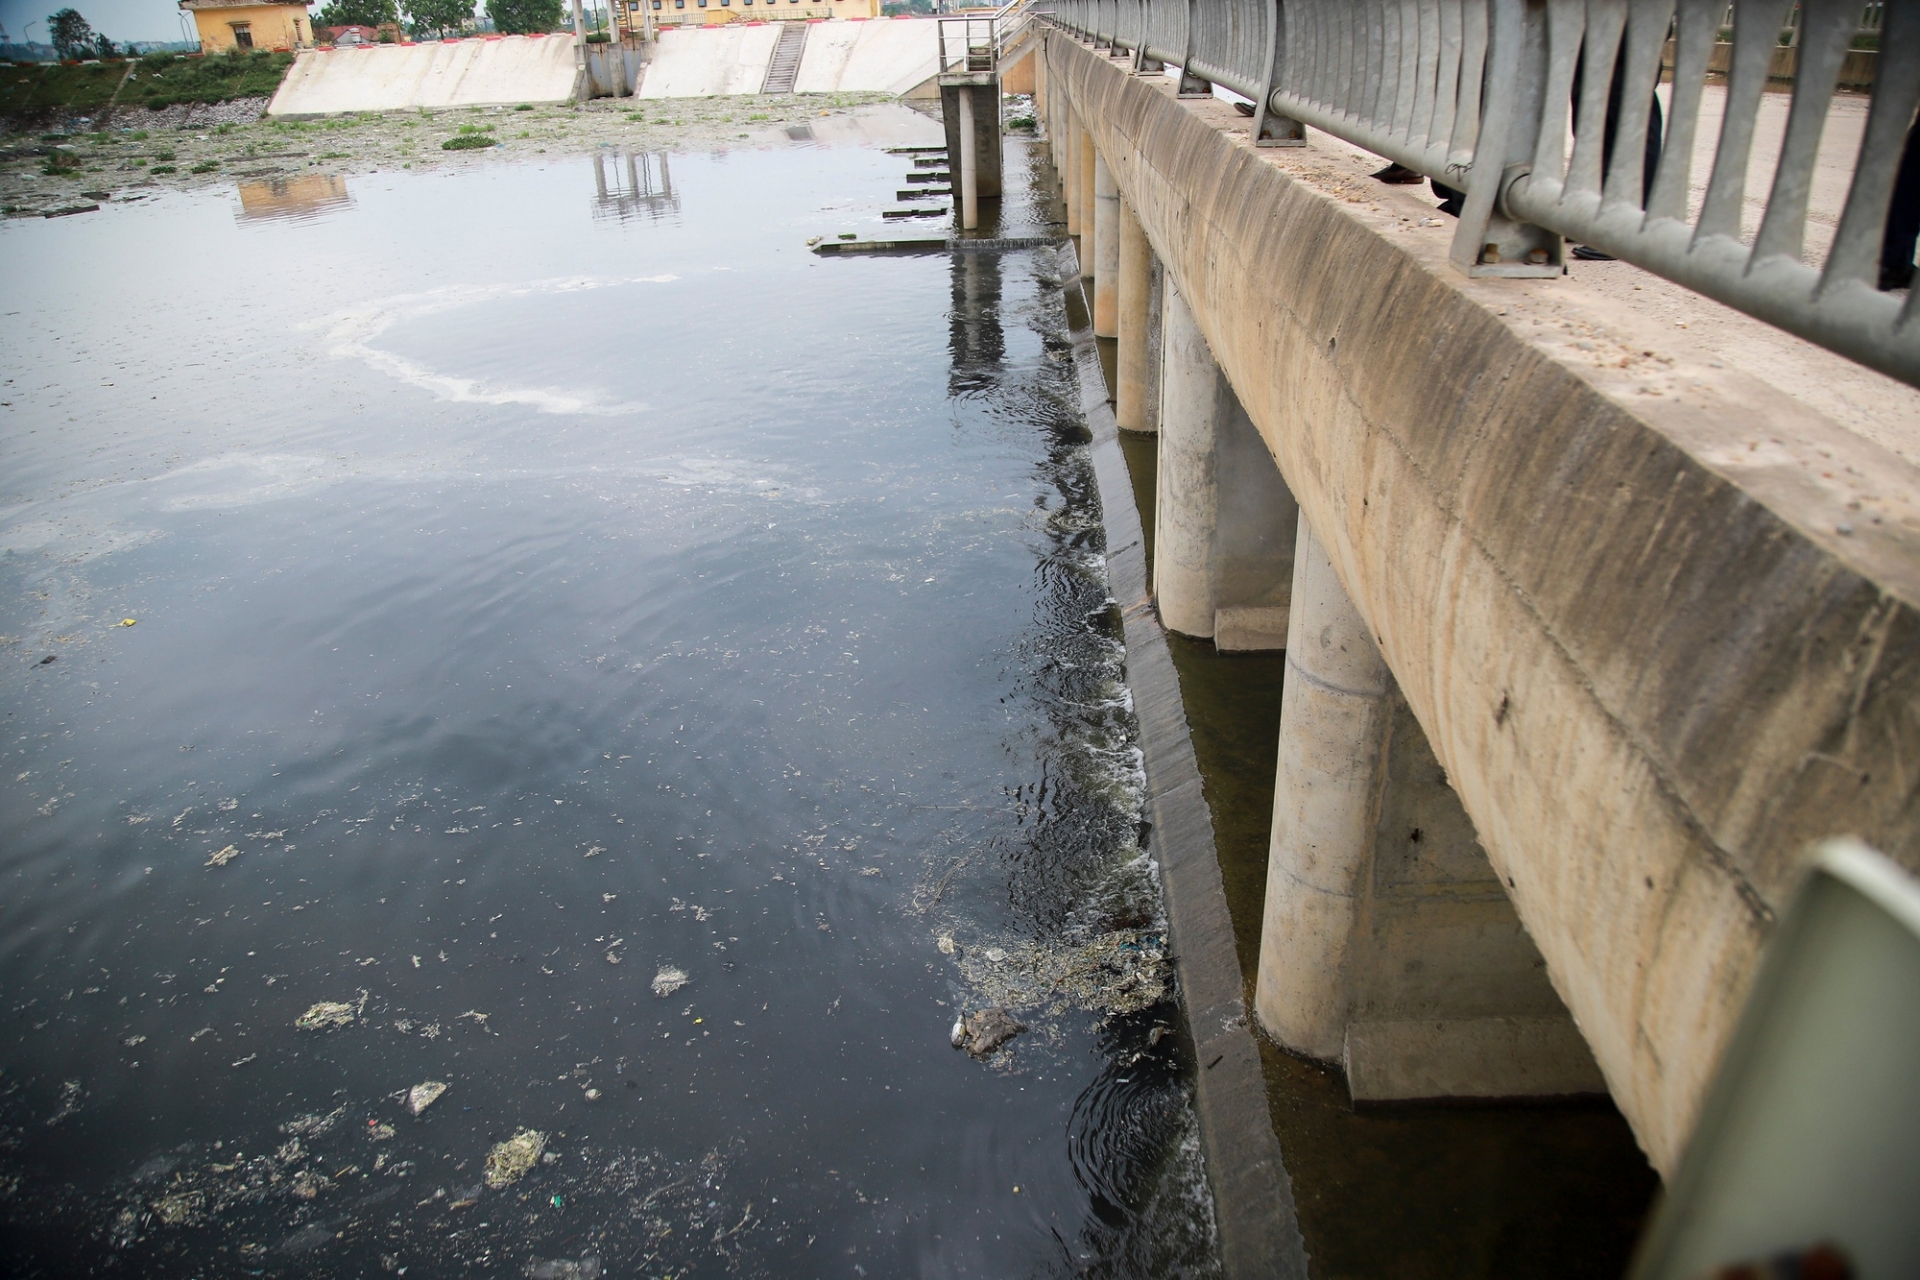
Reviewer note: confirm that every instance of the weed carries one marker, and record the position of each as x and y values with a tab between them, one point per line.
758	115
468	142
161	168
335	155
637	117
525	106
59	163
165	155
205	166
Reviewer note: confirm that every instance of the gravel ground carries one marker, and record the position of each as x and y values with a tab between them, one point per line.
141	151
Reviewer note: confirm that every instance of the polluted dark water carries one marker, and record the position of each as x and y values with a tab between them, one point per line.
539	631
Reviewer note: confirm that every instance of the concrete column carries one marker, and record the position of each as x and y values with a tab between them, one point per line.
1042	93
1135	284
1388	944
1333	723
1224	519
1106	251
969	166
1070	172
1084	176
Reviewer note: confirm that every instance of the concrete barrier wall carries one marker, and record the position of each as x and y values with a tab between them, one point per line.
458	73
886	55
883	55
698	62
1652	644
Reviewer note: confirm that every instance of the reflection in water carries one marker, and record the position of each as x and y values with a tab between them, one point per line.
976	342
627	188
307	196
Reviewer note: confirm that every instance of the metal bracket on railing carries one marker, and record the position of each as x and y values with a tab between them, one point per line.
1191	85
1142	64
1489	241
1271	129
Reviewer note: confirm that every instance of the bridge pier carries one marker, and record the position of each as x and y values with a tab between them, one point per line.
1224	519
1133	408
1083	191
1388	943
1106	250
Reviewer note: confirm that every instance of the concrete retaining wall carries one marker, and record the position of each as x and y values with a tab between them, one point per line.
1659	642
883	55
495	71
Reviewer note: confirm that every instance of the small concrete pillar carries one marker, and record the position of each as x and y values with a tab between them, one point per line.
1388	944
969	167
1106	251
1131	410
1224	518
1334	715
1070	171
1084	177
976	96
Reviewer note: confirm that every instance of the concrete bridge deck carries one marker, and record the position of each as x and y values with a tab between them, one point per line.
1655	616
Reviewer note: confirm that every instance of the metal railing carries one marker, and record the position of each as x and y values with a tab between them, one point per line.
978	41
1481	95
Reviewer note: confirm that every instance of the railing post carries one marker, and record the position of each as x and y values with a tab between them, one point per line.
1270	129
1191	85
1489	241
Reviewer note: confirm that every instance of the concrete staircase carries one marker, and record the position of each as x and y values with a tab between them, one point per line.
785	66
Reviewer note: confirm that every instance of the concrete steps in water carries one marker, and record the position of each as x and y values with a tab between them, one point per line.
784	69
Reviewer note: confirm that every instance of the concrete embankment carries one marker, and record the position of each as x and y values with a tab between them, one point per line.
884	55
494	71
1657	621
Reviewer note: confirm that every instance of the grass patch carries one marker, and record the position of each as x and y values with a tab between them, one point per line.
164	80
162	168
468	142
50	85
335	155
60	164
205	166
525	106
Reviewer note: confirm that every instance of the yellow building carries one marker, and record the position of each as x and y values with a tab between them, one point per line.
226	25
668	13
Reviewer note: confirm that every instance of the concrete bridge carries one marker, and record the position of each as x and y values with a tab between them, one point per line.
1588	638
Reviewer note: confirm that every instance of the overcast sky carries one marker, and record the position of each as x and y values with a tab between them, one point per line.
116	19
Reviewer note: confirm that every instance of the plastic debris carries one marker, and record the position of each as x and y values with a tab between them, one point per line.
424	1095
987	1030
221	857
509	1161
669	980
946	944
129	622
592	1095
564	1268
325	1016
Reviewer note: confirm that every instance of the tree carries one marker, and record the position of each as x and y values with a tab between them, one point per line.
518	17
438	17
71	35
357	13
103	48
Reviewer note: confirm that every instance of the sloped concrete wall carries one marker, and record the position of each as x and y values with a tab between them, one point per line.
495	71
883	55
1659	643
699	62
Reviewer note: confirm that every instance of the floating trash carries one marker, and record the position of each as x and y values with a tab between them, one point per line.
325	1016
563	1268
669	980
509	1161
424	1095
986	1031
222	857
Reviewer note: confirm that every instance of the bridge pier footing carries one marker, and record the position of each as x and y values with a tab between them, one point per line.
1388	943
1224	519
